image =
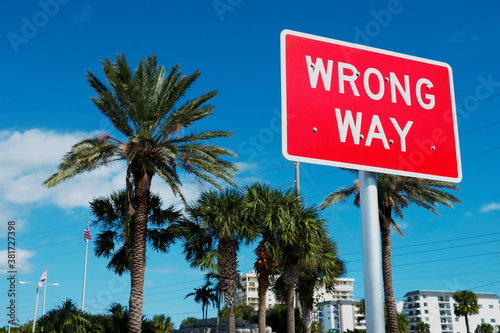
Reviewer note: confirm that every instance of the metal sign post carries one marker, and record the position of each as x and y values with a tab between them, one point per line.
372	261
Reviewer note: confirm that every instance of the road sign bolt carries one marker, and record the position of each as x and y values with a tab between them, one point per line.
427	87
391	141
357	74
433	148
315	129
362	136
386	79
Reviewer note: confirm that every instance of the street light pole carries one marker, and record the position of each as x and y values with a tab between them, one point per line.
36	303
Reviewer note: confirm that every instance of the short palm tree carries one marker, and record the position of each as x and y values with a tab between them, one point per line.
486	328
271	209
116	224
162	324
394	194
213	278
213	233
466	305
206	296
149	110
422	327
403	323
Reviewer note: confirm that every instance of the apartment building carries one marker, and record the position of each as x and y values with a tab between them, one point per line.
247	292
340	315
436	308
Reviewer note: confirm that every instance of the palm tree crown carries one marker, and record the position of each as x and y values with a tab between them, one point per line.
466	305
116	224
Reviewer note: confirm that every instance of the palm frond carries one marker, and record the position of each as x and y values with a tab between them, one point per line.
85	156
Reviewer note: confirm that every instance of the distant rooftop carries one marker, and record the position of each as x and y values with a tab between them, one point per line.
447	293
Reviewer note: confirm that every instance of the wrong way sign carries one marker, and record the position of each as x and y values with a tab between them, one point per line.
363	108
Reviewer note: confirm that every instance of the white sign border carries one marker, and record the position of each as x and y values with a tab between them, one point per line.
284	145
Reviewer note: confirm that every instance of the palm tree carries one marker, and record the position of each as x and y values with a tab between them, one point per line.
215	229
271	209
394	194
209	277
422	327
147	108
116	224
403	323
299	247
204	295
485	328
162	324
66	318
323	272
466	305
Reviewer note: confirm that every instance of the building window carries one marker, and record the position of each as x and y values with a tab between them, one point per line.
426	311
456	319
493	320
426	318
490	306
424	296
480	306
482	320
425	304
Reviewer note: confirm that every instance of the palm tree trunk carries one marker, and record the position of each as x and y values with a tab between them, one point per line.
218	309
263	280
228	266
290	277
467	323
290	309
204	309
390	302
307	318
142	189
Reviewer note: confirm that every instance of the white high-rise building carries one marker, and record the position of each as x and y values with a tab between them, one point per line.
248	293
436	308
340	315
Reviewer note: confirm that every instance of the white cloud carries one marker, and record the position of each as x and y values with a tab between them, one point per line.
22	266
491	206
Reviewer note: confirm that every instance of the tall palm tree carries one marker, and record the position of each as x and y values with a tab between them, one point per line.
215	229
466	305
206	296
116	224
323	272
394	194
271	209
149	110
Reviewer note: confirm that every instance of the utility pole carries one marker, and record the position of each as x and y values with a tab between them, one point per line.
297	178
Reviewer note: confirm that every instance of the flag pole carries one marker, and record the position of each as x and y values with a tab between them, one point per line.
44	292
85	270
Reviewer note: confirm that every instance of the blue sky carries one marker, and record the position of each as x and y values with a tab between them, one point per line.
48	46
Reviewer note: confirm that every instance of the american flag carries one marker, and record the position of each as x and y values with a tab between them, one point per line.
87	235
44	277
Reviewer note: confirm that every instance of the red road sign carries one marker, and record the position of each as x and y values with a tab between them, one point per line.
363	108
